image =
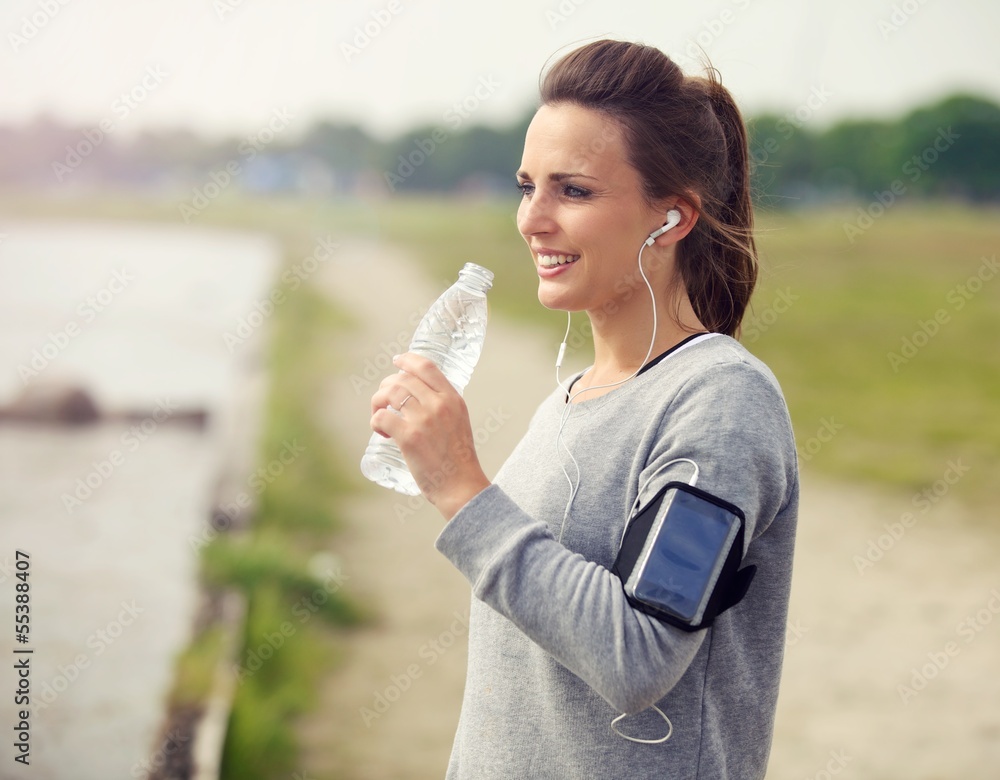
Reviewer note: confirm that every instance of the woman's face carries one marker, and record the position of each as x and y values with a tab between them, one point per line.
582	213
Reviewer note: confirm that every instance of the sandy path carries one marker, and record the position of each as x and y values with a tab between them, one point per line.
857	633
853	638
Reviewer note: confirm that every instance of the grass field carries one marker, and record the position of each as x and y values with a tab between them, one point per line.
895	336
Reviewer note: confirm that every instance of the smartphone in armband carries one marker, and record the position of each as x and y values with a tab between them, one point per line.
680	556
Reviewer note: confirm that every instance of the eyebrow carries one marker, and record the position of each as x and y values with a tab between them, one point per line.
560	176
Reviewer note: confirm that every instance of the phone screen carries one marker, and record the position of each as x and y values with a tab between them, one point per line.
683	555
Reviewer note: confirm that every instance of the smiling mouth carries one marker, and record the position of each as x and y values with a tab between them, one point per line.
549	261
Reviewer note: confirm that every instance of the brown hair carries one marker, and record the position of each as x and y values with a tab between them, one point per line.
685	137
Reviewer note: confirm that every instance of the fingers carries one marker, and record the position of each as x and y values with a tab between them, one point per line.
424	369
402	389
385	423
432	431
398	390
417	378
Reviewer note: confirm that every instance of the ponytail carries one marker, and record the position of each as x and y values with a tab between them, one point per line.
720	266
685	137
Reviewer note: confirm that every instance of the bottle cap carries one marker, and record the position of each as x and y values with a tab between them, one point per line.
478	275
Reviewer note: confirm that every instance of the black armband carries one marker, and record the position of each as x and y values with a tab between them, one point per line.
680	556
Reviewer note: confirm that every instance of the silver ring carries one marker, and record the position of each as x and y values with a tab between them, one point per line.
404	402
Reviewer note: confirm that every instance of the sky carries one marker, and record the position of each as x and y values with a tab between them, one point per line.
238	67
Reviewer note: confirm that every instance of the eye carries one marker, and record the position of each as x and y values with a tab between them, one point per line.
525	188
571	191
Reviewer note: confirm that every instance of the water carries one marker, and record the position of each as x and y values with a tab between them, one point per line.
114	580
452	335
149	307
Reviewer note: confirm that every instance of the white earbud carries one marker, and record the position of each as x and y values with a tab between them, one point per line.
673	217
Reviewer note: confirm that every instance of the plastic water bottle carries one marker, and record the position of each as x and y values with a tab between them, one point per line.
451	334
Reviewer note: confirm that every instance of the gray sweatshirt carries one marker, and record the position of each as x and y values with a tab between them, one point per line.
556	651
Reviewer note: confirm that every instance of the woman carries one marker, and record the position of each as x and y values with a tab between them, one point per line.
636	210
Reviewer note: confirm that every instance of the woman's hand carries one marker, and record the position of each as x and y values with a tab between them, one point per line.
429	421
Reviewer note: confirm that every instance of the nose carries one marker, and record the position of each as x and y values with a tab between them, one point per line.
535	215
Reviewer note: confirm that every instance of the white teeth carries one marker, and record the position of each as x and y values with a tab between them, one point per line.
550	260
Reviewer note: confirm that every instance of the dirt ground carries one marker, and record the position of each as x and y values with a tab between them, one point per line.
891	669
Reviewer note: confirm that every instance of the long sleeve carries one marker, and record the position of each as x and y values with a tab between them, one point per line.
573	608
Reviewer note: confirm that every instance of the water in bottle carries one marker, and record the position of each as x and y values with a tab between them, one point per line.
451	334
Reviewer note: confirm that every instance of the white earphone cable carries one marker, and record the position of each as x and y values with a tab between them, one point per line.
575	486
569	401
664	738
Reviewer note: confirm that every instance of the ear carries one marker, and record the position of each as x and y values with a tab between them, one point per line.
688	205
